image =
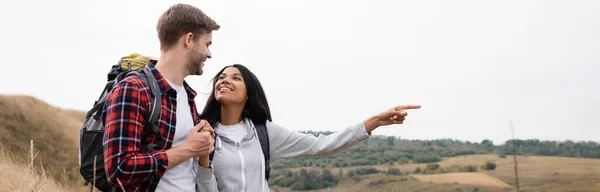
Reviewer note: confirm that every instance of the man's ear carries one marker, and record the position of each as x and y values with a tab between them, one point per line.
188	38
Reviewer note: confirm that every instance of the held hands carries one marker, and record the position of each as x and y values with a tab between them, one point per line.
204	160
205	127
200	140
394	115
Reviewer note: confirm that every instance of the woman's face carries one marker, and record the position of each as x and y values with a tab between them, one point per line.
230	88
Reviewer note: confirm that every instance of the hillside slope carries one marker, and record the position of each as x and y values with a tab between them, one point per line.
17	176
54	132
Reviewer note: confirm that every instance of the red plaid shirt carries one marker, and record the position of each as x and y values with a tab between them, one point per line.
123	117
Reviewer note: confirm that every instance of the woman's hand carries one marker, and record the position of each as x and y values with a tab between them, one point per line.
394	115
204	161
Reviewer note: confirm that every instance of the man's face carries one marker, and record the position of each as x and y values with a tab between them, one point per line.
198	53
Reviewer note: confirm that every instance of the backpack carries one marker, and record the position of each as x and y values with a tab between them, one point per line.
92	132
263	138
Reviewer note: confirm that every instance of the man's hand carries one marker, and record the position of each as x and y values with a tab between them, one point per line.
200	141
205	127
394	115
197	144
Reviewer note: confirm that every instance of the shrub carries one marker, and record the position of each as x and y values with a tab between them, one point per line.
426	159
418	170
471	168
357	178
440	170
490	165
393	171
363	171
310	180
388	179
432	166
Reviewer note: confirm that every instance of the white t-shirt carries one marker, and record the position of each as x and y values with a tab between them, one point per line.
234	132
181	177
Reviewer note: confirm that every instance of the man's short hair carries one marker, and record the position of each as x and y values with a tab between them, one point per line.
180	19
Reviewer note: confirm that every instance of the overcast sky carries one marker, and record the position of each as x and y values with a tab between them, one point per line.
472	65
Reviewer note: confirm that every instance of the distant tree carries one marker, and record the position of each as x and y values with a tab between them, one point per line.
487	142
393	171
426	159
391	140
307	180
328	178
471	168
418	170
362	171
490	165
432	166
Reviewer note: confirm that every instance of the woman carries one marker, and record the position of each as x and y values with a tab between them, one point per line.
238	103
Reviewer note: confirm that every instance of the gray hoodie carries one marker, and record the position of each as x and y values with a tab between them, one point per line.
240	166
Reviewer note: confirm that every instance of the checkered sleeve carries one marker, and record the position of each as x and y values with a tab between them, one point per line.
123	116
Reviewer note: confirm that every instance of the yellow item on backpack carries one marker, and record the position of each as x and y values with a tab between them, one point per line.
135	61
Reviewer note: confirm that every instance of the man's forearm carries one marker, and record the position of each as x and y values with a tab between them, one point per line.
176	156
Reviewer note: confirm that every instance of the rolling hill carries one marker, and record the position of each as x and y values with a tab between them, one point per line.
54	132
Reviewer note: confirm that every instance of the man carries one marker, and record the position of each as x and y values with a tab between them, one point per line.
185	34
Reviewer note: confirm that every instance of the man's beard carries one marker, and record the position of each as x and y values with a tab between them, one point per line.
194	64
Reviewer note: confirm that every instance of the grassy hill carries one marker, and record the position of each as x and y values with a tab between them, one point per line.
54	132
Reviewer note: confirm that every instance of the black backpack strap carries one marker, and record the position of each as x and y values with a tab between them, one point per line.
156	98
151	118
263	137
100	102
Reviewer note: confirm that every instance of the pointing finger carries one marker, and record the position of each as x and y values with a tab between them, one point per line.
405	107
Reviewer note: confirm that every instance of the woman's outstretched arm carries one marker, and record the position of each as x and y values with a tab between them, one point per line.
285	143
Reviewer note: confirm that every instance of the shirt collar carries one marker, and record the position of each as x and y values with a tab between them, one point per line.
162	82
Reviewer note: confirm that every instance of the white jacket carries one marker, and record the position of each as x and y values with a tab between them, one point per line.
240	166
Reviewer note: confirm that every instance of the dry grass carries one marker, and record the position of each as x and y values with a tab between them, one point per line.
18	176
476	179
550	173
537	173
55	134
